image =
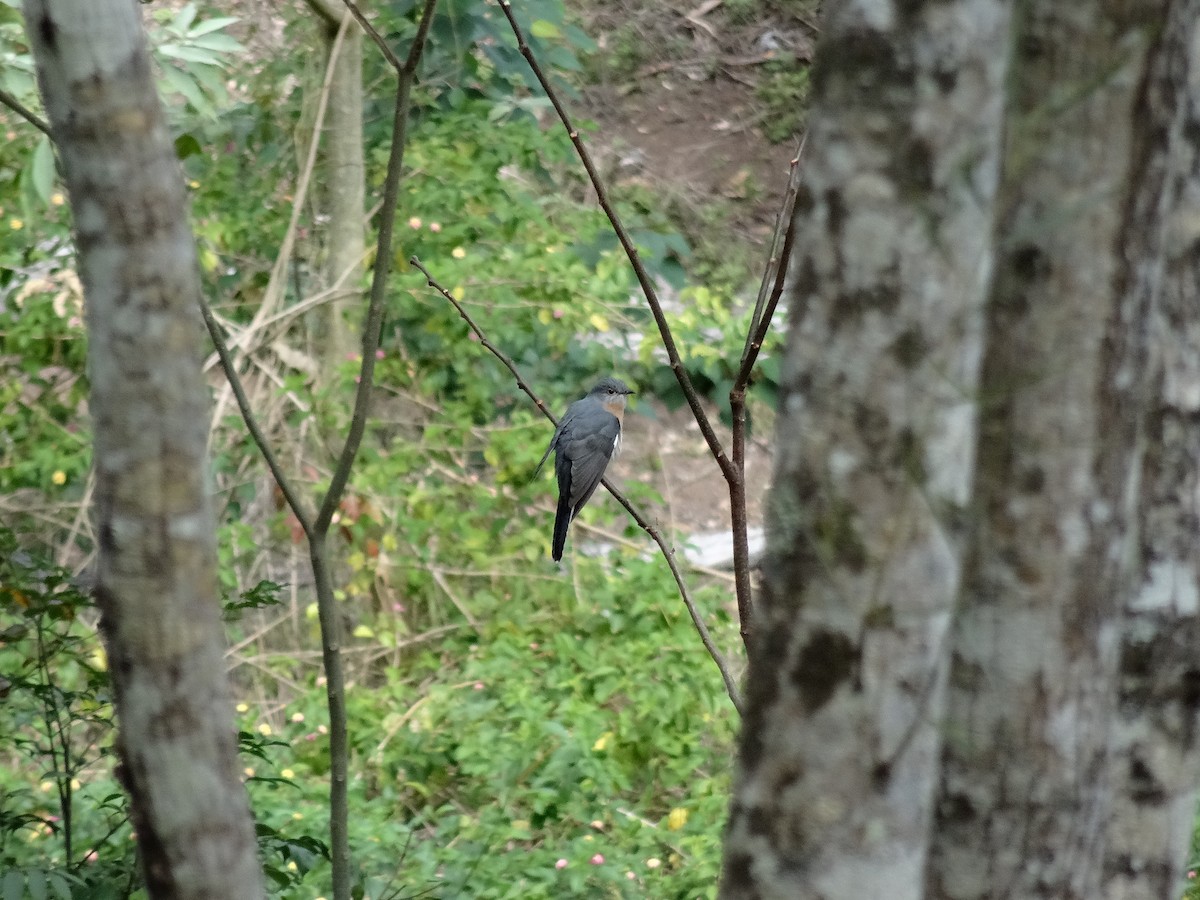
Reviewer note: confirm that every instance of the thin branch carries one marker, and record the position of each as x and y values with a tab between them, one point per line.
643	277
328	11
384	48
383	254
667	551
25	113
775	273
327	611
256	432
760	320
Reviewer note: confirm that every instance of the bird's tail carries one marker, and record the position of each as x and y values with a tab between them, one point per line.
562	520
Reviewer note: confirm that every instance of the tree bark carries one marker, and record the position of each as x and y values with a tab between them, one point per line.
838	756
1023	799
344	192
1155	754
157	577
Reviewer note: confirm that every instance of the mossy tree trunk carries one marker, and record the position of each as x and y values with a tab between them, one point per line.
156	577
1023	800
1040	547
839	749
1156	751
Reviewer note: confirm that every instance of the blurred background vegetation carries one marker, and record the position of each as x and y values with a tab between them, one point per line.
516	731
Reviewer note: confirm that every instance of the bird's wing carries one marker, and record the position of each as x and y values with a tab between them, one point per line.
570	414
588	456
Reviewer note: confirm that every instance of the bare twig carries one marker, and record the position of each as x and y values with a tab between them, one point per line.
25	113
384	48
643	277
329	11
256	434
387	217
732	470
760	320
668	552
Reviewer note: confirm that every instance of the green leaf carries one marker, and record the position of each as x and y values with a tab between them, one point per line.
183	19
13	885
208	26
541	28
35	884
189	54
59	885
41	170
184	84
186	145
219	43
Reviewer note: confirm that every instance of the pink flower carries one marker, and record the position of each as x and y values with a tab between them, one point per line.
597	860
379	354
561	864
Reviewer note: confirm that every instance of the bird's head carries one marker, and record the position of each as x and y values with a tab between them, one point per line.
611	392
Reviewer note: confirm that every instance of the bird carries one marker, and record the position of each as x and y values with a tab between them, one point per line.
587	437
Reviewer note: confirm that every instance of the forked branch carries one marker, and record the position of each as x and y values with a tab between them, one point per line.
643	522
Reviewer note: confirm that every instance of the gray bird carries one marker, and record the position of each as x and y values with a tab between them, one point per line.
587	437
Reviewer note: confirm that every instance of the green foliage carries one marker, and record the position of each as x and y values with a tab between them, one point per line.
556	731
783	91
191	53
63	827
472	53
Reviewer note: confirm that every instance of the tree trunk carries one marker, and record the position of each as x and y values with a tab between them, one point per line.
156	578
838	757
344	183
1155	754
1023	798
344	191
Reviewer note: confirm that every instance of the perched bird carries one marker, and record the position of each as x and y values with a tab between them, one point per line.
587	437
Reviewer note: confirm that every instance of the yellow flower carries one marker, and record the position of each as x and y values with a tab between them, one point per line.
653	862
458	252
243	707
249	772
264	729
677	818
601	742
57	199
59	477
287	773
297	816
15	224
